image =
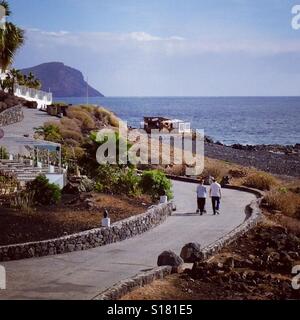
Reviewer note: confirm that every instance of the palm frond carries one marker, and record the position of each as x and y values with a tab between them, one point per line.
5	5
11	39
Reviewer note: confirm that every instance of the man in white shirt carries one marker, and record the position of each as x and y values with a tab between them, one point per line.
201	197
216	196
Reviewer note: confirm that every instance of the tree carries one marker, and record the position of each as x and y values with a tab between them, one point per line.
15	76
31	81
11	39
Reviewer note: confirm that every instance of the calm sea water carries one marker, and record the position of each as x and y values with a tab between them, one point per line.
251	120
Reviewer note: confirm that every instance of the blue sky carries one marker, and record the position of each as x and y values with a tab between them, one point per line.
167	47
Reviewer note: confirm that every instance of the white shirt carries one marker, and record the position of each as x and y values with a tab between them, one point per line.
201	192
215	190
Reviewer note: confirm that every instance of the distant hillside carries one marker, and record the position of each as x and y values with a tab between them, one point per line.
63	81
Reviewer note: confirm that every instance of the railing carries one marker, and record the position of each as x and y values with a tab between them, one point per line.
33	94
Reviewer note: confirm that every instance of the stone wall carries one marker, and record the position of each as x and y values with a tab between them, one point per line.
119	231
142	279
253	217
11	115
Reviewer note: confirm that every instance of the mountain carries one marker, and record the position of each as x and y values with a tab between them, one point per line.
63	81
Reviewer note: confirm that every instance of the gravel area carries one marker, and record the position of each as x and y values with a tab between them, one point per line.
274	163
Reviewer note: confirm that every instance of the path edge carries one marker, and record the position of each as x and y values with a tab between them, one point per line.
124	287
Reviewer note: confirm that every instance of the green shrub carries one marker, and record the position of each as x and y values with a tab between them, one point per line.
50	131
116	180
45	193
4	153
129	183
108	176
99	187
155	183
260	180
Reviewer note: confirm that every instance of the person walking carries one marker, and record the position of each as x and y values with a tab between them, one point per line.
201	197
216	196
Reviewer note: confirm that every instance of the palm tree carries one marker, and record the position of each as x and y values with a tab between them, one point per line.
5	5
11	39
16	78
31	81
37	84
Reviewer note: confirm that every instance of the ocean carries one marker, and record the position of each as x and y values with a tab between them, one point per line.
230	120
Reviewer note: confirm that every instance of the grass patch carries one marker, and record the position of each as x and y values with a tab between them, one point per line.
284	201
260	180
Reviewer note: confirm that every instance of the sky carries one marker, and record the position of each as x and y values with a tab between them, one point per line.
167	47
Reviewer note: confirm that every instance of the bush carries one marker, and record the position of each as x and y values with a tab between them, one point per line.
108	177
260	180
87	122
50	131
4	153
70	134
23	201
107	117
45	193
238	173
70	124
286	202
128	183
113	179
156	184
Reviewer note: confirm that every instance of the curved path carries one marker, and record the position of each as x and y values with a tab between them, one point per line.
85	274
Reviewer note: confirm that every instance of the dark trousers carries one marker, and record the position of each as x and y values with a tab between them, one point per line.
201	204
215	204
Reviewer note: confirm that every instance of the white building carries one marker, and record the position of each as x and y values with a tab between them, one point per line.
42	98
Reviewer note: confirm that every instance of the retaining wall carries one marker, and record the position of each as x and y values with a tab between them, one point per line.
119	231
11	115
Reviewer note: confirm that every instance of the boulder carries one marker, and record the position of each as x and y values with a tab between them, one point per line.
78	185
191	253
169	258
86	185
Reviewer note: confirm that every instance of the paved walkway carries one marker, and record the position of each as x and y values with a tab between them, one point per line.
83	275
33	118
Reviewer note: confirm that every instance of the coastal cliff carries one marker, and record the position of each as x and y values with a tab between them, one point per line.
63	81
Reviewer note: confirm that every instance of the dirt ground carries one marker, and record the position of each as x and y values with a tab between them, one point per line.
257	267
74	214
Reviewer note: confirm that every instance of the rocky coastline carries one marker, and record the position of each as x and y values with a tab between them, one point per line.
275	159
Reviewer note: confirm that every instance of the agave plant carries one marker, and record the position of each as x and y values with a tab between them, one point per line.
11	39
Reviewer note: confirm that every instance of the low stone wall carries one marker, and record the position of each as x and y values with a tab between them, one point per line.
254	217
126	286
119	231
11	115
